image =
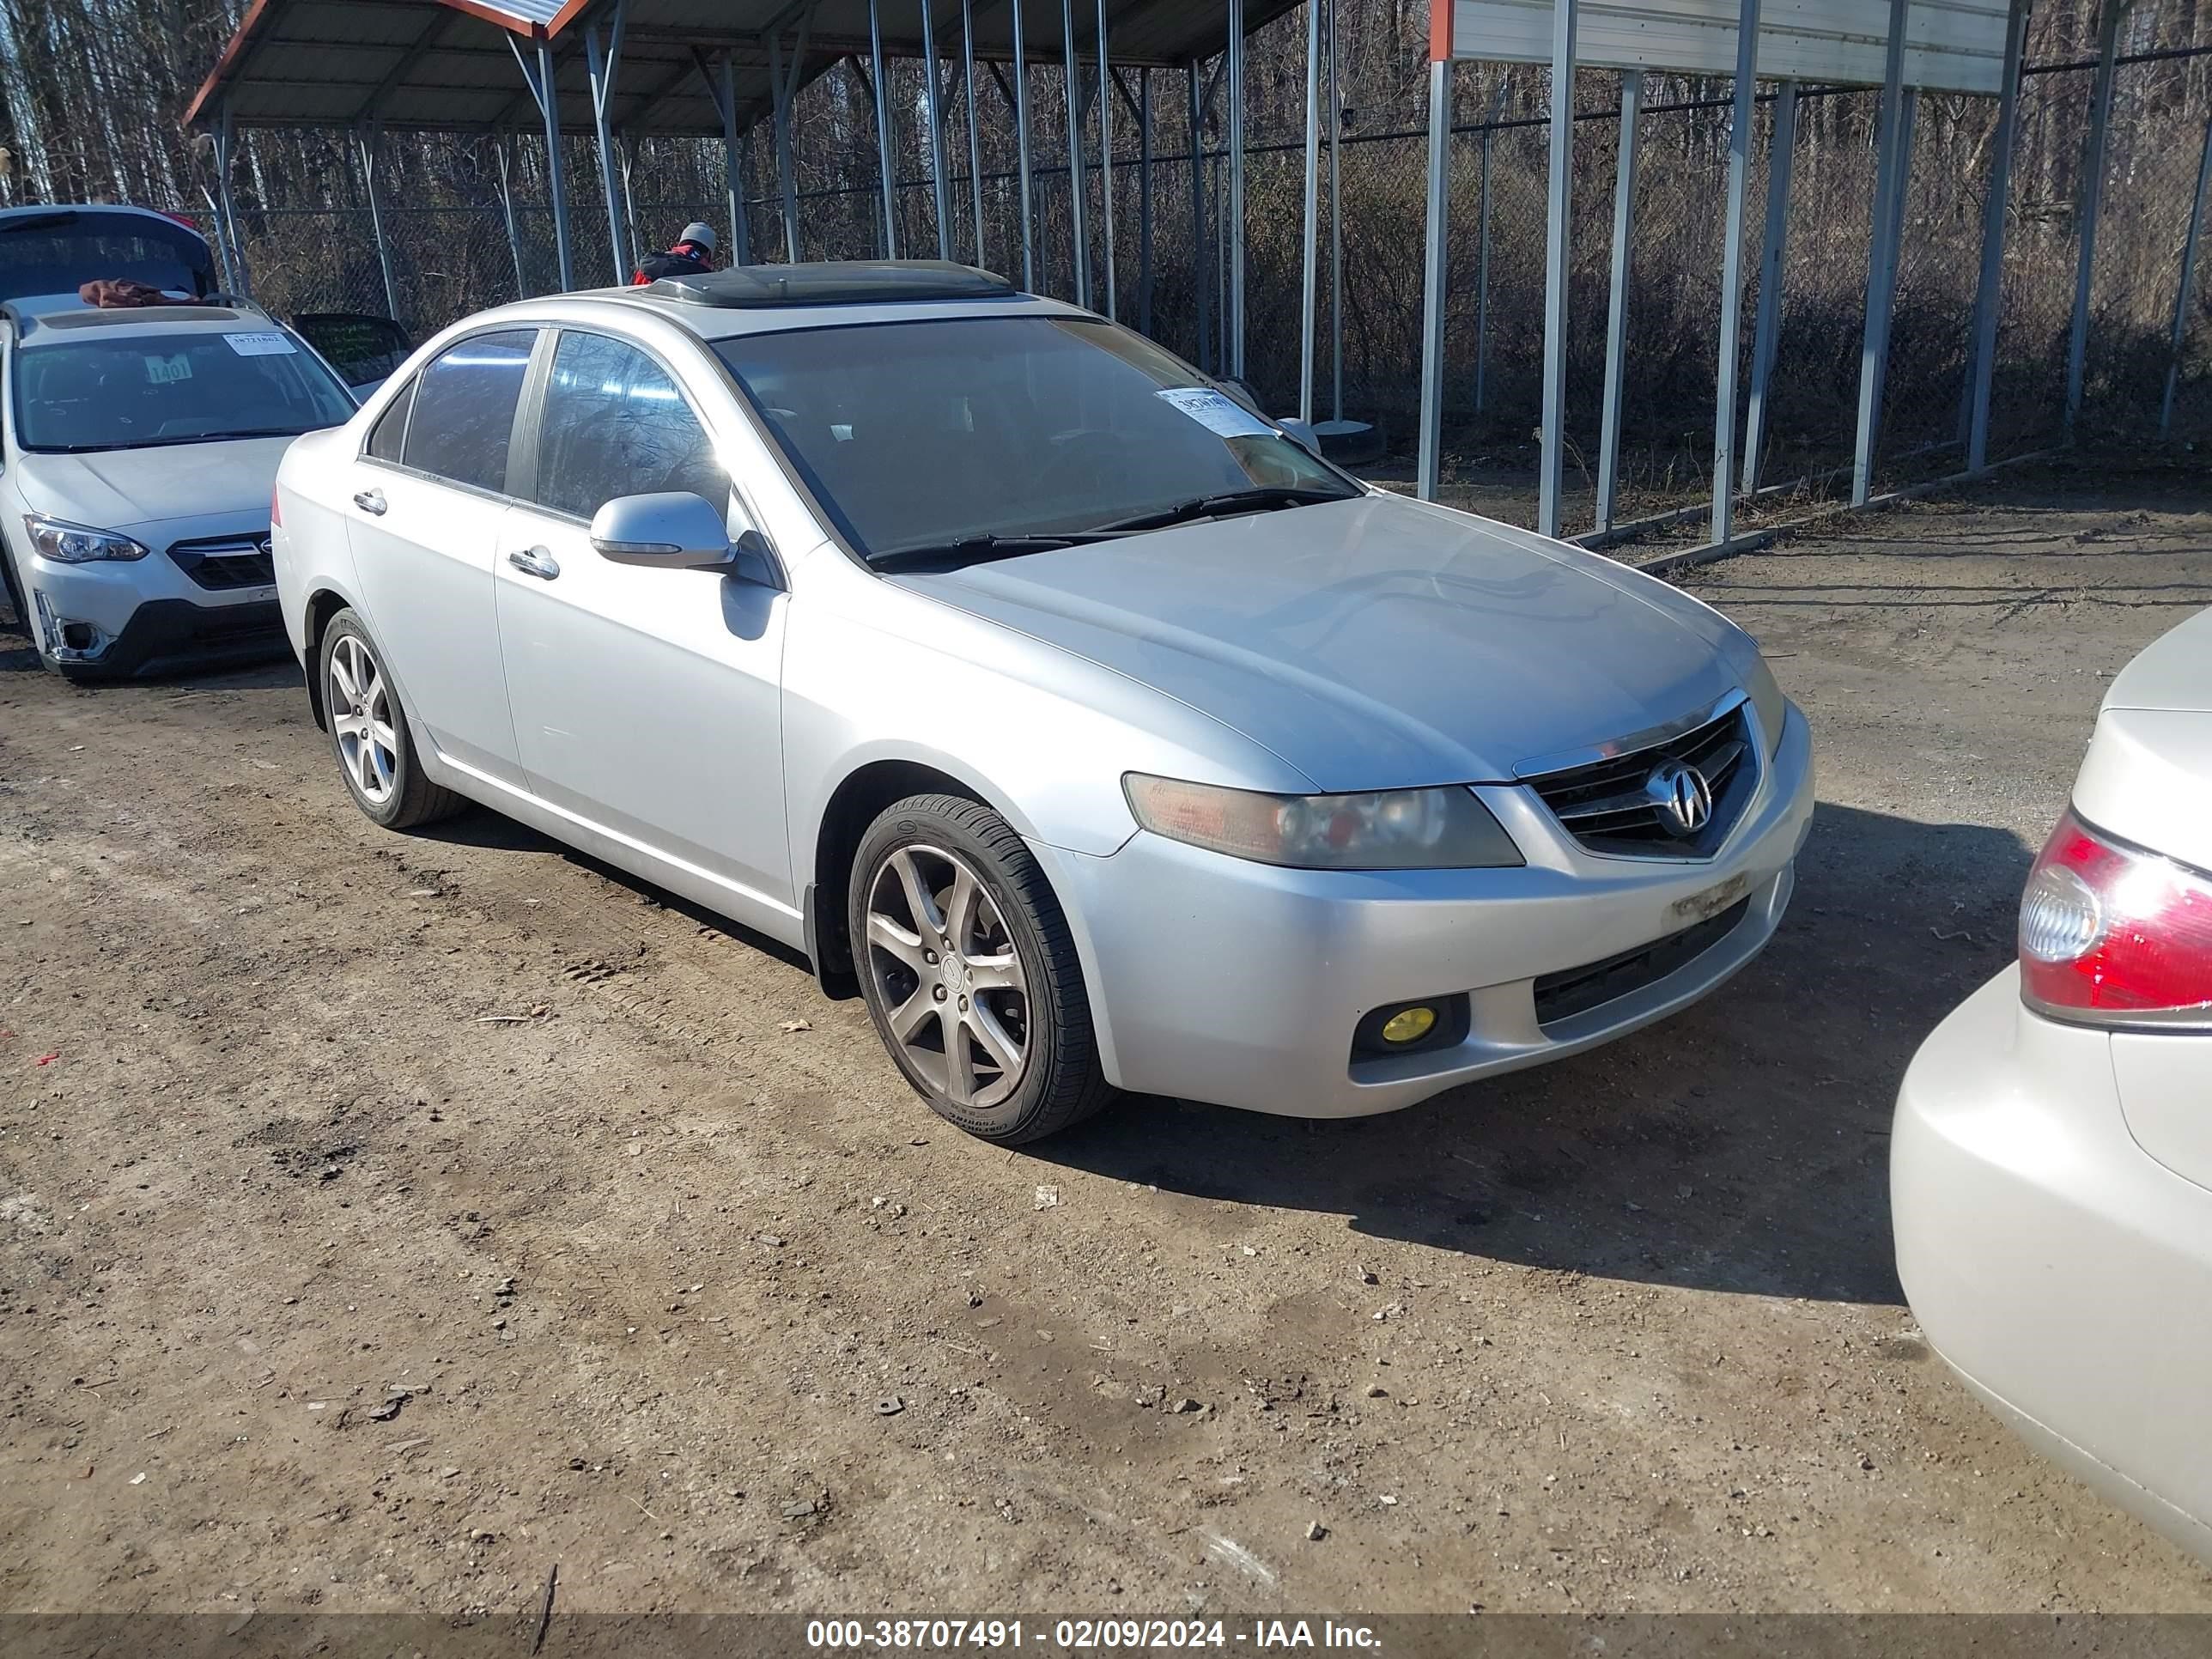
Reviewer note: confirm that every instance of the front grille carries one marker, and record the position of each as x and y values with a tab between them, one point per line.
226	561
1604	804
1578	990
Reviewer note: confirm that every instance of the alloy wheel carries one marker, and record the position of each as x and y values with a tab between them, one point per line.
361	720
947	976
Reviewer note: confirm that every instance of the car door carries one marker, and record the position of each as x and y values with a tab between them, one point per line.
647	702
426	499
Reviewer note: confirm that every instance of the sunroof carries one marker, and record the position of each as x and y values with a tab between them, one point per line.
834	283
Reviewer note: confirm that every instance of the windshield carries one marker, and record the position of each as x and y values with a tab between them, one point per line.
177	388
921	434
56	253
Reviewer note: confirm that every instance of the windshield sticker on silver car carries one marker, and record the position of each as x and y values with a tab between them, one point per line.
1215	412
167	371
266	344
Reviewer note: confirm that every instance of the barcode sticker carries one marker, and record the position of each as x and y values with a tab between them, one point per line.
266	344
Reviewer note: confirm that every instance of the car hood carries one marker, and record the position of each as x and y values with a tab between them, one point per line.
1374	643
125	489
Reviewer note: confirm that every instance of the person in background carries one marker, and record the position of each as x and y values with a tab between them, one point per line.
693	255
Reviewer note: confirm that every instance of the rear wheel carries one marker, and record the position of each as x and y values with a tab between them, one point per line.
970	973
368	733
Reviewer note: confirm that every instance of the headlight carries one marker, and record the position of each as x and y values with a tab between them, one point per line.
1395	830
1767	701
72	544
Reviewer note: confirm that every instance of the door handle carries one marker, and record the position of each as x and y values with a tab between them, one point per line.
370	502
535	562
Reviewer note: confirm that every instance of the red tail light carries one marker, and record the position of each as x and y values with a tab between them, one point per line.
2111	934
276	509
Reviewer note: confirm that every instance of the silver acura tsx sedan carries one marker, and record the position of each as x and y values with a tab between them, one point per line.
1096	732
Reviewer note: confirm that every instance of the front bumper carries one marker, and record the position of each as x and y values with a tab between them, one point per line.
2060	1270
121	617
1217	979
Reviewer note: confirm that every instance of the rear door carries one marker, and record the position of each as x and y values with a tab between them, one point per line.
425	499
647	702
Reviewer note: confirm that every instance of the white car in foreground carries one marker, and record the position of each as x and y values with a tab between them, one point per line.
2051	1172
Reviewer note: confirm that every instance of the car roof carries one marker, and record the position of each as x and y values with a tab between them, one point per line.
785	299
53	324
64	212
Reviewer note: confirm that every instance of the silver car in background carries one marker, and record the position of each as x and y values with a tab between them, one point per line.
2051	1168
1095	731
137	458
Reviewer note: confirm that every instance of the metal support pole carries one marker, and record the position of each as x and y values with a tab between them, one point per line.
226	210
1881	263
1145	200
1558	228
733	166
1106	161
1908	123
366	146
1236	206
502	158
1987	296
545	92
2183	294
884	172
1616	315
1482	256
1198	261
1739	186
1309	226
1767	330
974	133
933	108
1436	273
603	61
780	90
2092	196
1335	227
1022	155
1078	185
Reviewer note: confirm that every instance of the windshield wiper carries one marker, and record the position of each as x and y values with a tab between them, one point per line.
1263	498
975	549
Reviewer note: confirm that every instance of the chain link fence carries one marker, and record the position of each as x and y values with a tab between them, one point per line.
450	259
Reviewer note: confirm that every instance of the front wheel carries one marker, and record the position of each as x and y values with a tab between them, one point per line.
369	730
970	973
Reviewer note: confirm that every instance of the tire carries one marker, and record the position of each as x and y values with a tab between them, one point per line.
381	770
1011	987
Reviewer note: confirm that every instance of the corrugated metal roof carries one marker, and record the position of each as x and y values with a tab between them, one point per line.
449	65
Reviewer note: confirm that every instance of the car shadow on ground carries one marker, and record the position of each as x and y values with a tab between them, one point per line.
1741	1146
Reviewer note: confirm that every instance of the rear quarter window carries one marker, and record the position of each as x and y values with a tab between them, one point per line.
463	420
390	433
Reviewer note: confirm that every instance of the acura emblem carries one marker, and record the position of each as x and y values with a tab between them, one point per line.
1680	794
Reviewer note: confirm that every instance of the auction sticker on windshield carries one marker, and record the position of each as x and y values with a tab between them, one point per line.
166	371
267	343
1215	412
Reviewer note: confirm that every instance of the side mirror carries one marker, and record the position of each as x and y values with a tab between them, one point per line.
1241	394
1301	434
671	530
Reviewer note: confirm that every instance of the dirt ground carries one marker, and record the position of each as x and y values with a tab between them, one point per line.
385	1219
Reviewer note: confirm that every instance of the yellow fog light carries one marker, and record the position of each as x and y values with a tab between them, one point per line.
1409	1024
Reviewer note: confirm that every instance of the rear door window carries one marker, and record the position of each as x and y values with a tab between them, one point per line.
615	424
464	405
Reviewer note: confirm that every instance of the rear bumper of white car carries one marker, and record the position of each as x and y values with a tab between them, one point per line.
136	616
1221	980
2060	1270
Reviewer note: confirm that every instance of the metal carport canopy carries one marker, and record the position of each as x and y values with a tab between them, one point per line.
449	65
